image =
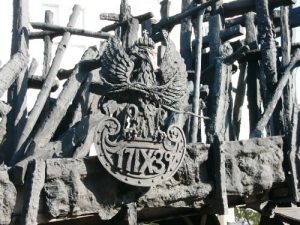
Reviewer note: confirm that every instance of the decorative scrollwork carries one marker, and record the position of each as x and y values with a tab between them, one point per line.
139	162
137	145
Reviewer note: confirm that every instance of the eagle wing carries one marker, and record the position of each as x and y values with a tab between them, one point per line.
174	76
116	64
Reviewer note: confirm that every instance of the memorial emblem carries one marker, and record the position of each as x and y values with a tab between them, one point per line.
140	143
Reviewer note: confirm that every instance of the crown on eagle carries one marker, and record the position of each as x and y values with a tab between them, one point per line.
145	41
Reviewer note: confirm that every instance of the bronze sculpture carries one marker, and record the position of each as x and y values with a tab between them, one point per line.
141	118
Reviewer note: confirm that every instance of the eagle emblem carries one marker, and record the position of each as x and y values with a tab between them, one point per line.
140	144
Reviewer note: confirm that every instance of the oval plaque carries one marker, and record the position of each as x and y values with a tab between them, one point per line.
142	161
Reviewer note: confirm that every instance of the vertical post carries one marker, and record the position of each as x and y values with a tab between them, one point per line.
131	34
185	36
215	26
125	14
268	46
34	184
290	109
288	91
220	113
17	93
165	8
47	52
196	100
147	25
164	13
253	89
131	214
266	37
239	98
20	26
44	93
47	45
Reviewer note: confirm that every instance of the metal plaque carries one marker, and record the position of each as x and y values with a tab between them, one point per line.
140	162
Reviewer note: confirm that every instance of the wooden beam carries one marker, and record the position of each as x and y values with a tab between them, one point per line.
47	45
169	22
109	16
240	7
196	97
59	30
266	38
226	34
140	18
16	96
11	70
44	93
185	36
294	19
36	82
257	132
253	85
65	98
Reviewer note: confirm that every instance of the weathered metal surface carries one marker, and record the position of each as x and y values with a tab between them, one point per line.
143	105
139	162
139	147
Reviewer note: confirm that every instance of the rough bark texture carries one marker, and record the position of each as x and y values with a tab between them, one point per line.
170	22
239	98
257	132
289	90
36	82
33	66
220	99
44	93
293	153
47	45
32	190
297	154
54	30
215	26
253	88
17	93
8	196
225	35
109	16
266	38
64	146
72	186
253	166
132	116
4	109
11	70
185	36
187	189
196	100
238	7
130	36
49	126
140	18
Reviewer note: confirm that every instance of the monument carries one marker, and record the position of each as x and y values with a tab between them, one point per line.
166	129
